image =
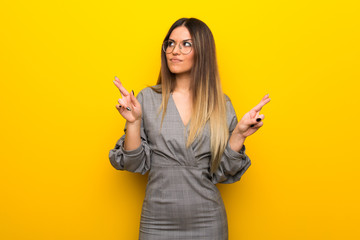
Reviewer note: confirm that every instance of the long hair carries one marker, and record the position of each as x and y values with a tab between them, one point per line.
209	103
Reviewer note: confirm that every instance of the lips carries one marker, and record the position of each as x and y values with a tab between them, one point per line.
175	60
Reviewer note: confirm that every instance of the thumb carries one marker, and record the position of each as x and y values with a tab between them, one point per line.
134	100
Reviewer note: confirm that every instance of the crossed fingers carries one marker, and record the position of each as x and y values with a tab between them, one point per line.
128	100
254	112
263	101
123	91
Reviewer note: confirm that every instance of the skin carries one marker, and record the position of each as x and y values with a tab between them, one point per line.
183	99
181	69
181	95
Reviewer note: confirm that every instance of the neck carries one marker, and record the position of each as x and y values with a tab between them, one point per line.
183	82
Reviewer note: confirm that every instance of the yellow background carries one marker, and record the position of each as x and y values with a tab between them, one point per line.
58	117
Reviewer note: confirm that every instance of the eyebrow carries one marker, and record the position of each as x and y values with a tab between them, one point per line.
182	40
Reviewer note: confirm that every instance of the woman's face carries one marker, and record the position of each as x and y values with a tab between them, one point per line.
178	62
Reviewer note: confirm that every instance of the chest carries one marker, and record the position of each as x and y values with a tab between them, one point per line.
183	105
170	139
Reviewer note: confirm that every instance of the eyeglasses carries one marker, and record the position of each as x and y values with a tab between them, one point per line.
169	46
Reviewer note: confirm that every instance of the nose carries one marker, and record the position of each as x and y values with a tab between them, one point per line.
176	49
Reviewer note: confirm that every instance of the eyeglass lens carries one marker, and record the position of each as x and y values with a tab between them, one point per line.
169	46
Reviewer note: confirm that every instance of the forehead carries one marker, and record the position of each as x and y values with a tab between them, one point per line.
180	33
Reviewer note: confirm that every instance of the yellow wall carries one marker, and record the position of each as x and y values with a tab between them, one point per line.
58	116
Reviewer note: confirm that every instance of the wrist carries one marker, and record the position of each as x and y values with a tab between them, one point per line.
136	123
236	141
238	136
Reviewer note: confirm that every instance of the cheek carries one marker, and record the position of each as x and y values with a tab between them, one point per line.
191	60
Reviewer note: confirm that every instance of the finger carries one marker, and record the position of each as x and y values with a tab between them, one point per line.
118	107
256	120
265	97
122	103
134	100
119	85
263	101
258	125
122	88
259	118
253	113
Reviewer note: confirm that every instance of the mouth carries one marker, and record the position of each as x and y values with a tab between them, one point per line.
175	60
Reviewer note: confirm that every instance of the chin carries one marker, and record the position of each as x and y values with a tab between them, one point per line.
176	72
179	71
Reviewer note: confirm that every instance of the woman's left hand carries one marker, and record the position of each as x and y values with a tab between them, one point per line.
252	120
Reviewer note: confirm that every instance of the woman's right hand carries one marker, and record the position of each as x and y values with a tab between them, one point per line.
129	107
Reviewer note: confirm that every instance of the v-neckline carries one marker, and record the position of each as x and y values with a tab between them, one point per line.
178	113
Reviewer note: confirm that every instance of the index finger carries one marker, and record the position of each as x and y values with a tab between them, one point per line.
123	91
263	101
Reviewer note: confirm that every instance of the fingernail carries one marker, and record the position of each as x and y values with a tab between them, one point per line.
128	109
133	92
258	119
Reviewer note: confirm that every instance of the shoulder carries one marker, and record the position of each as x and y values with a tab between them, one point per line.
149	97
149	91
227	99
228	102
229	106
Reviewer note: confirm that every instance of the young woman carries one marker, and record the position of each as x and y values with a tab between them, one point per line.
185	133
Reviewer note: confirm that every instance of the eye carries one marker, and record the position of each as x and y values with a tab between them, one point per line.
170	43
187	44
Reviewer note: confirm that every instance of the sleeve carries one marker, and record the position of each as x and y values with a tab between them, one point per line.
137	160
232	164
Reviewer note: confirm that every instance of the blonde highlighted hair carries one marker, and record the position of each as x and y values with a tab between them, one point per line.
209	103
